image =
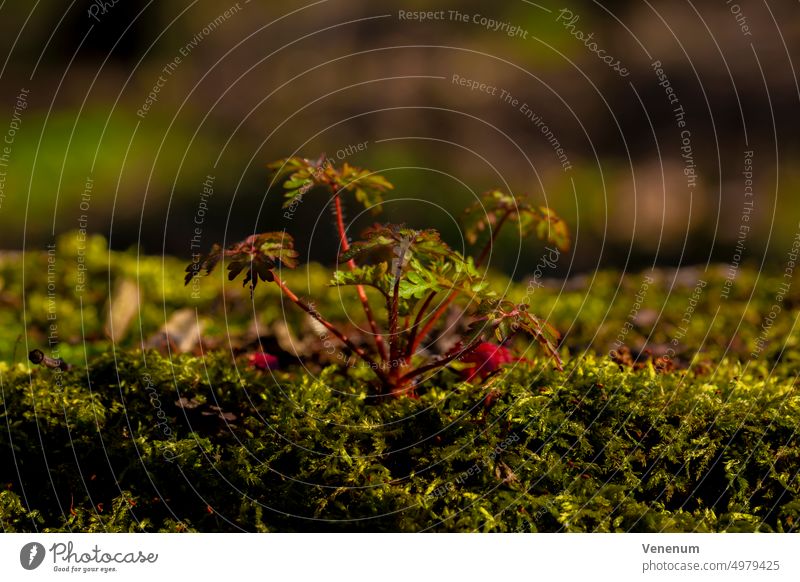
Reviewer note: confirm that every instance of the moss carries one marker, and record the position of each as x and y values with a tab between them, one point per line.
595	449
132	440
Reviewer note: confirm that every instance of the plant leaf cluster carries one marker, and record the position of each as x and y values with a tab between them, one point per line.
495	207
301	175
257	256
409	268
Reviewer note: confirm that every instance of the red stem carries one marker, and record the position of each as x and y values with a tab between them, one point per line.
362	294
432	322
417	320
330	327
393	315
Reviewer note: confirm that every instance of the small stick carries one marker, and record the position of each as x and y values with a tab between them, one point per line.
39	357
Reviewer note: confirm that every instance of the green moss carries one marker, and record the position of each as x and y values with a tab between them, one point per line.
594	449
112	447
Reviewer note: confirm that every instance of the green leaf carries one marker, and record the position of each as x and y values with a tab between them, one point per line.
495	205
297	183
425	245
367	187
278	247
415	285
503	319
375	276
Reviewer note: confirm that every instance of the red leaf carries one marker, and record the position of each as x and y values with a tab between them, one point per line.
486	359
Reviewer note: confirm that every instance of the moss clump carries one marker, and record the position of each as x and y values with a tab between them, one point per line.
144	443
131	440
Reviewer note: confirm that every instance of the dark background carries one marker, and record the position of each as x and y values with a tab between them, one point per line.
278	78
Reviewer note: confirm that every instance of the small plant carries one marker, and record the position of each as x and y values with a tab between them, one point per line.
417	275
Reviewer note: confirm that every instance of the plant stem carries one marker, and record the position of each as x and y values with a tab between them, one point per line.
362	294
417	321
330	327
490	242
394	343
439	363
432	322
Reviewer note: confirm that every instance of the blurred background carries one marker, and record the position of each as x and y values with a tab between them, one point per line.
146	120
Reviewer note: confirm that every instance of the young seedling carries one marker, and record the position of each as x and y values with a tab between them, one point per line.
408	268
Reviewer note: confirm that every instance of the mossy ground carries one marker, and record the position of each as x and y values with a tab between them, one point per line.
132	440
